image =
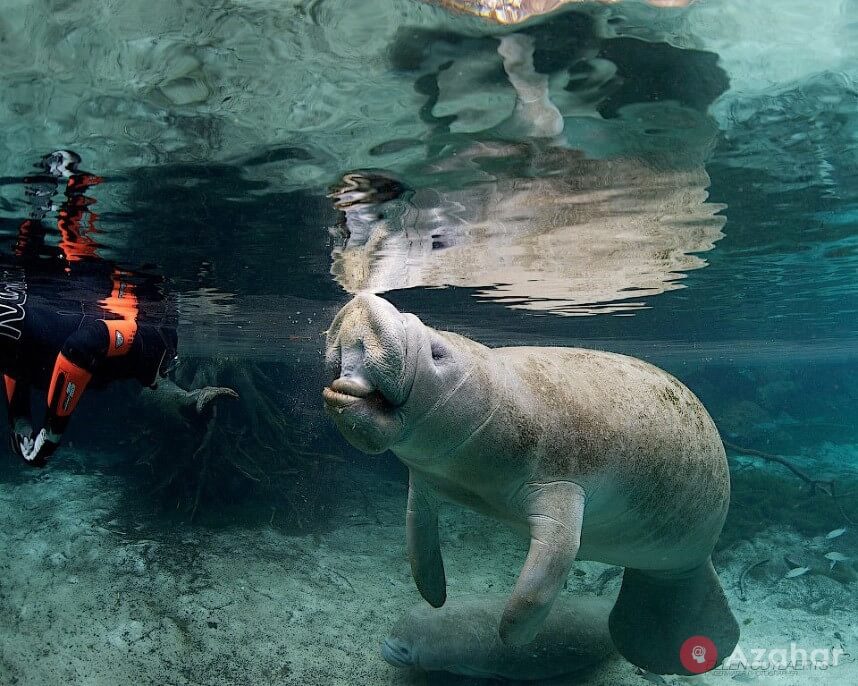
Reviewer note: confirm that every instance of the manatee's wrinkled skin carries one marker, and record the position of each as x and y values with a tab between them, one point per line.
591	454
462	638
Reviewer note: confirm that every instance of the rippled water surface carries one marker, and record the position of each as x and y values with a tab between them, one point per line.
673	183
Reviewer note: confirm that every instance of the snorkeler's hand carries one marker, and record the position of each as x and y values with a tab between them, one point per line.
42	448
204	397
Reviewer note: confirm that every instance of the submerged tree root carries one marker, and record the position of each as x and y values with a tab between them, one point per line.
825	486
237	449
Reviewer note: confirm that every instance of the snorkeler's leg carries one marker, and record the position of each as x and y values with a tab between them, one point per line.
73	368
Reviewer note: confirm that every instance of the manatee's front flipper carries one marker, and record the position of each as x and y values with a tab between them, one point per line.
171	399
555	511
205	397
655	614
424	549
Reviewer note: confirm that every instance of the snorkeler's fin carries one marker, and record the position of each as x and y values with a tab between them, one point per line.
656	614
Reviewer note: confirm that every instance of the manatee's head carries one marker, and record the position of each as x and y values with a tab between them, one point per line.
449	639
399	652
423	638
384	369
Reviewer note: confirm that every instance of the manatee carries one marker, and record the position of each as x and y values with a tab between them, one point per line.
461	637
590	454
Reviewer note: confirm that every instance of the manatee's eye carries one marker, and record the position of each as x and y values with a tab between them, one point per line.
439	350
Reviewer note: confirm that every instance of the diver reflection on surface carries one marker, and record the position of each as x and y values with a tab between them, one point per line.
71	320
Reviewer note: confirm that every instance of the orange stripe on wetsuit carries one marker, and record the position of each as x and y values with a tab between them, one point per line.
67	385
69	380
123	303
9	384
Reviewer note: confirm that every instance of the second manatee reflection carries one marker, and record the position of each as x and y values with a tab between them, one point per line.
592	455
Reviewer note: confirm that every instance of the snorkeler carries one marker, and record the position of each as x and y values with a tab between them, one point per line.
70	320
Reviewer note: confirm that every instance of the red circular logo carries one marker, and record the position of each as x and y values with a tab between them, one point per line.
698	654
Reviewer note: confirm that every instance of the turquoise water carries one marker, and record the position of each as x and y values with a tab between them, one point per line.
672	184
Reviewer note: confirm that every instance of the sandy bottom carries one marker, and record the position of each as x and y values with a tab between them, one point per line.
92	593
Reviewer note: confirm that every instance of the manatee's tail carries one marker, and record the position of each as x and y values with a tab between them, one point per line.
674	624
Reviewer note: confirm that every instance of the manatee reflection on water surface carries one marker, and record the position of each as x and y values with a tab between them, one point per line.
590	236
570	192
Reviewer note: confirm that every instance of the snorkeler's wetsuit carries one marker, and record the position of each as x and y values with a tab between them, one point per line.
66	351
68	320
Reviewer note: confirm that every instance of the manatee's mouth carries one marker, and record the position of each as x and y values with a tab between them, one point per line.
397	653
346	391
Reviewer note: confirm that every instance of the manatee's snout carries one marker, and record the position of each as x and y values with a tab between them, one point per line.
398	653
349	378
366	350
367	369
